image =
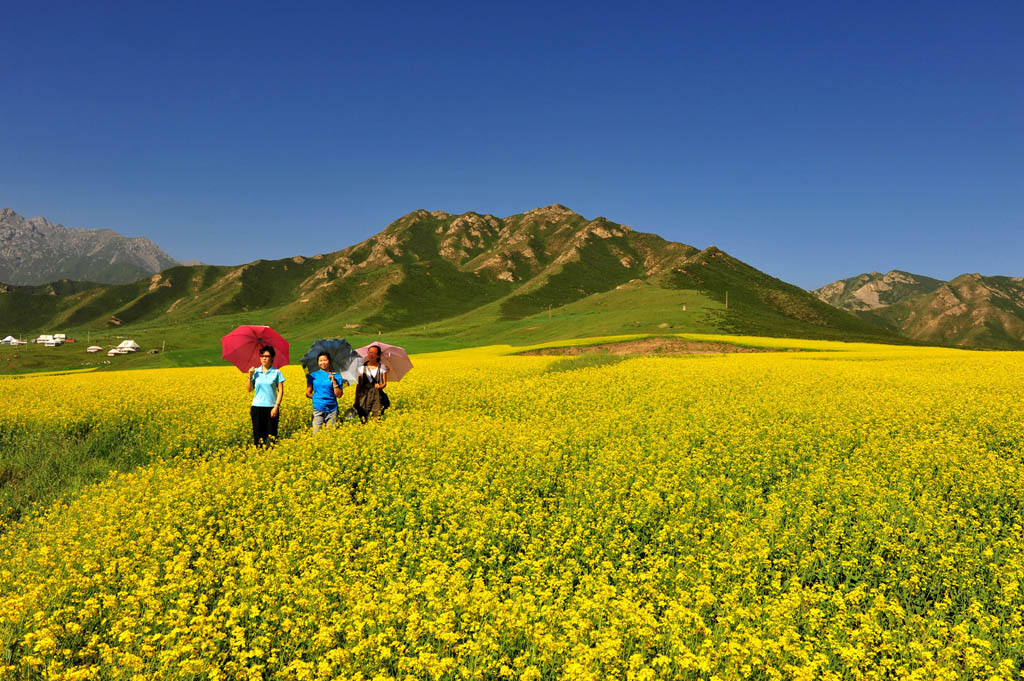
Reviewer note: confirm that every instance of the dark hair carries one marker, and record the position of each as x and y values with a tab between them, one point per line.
271	350
324	354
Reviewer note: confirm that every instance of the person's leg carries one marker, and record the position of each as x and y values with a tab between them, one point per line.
331	418
272	430
318	420
257	428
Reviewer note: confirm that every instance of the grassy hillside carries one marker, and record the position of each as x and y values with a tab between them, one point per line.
432	280
760	304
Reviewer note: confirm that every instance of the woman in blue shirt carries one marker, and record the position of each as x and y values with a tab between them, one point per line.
324	388
268	385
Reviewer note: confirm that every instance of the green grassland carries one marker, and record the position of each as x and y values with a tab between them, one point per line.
634	307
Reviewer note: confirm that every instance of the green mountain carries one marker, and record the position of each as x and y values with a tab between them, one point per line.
471	278
971	311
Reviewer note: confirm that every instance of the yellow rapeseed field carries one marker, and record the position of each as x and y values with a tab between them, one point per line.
852	512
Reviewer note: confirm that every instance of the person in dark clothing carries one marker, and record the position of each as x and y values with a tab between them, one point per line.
373	378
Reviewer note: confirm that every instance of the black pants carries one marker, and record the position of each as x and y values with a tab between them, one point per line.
264	426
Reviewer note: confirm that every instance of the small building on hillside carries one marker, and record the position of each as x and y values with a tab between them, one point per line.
8	341
129	346
93	348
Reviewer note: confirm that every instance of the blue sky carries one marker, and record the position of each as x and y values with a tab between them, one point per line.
812	140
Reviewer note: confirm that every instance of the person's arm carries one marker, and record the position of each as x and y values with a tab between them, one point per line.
382	378
250	380
280	397
336	385
309	389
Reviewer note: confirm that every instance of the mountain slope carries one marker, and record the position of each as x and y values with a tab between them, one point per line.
474	276
35	251
971	311
874	290
758	303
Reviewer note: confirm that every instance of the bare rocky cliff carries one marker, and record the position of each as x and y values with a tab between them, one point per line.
36	251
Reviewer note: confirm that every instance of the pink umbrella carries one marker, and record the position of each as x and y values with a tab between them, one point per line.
242	346
396	359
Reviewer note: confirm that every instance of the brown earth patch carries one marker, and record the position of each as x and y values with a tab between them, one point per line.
653	346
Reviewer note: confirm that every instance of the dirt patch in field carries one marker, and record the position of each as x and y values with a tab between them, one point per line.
652	346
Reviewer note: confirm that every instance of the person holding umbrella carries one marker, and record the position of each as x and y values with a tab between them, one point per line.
373	378
324	388
268	385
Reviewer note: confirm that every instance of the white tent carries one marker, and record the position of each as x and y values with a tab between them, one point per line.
8	341
93	348
129	345
44	338
112	351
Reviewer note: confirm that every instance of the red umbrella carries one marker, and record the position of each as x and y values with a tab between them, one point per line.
242	346
395	358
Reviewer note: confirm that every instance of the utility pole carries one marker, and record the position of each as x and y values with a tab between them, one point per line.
726	300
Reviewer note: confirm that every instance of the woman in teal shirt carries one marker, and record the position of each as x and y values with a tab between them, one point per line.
268	385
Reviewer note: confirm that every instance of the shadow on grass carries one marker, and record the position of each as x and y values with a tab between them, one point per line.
39	465
591	359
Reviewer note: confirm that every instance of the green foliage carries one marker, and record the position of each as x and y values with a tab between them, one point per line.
759	304
39	463
270	283
105	303
427	292
22	312
596	270
584	361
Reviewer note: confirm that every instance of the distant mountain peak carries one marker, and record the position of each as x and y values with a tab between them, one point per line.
871	291
555	211
36	251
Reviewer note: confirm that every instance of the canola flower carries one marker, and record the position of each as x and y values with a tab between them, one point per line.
852	513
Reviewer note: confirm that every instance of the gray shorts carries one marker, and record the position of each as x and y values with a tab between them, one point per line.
324	418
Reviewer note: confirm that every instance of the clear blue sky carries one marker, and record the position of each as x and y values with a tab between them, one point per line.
813	140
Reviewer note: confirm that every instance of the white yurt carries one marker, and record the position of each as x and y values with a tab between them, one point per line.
8	341
93	348
129	345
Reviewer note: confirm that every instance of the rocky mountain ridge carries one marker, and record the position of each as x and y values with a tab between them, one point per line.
35	251
971	310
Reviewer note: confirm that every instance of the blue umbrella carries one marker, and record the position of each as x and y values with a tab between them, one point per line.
344	359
